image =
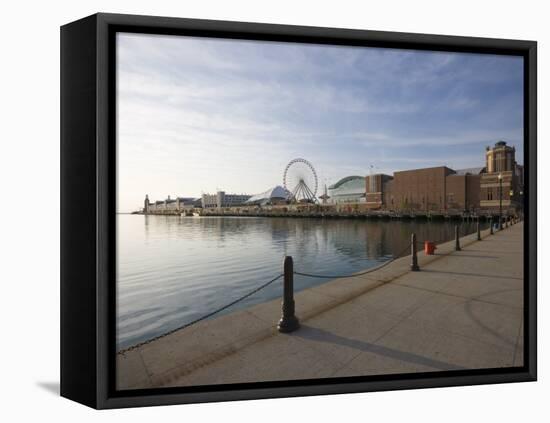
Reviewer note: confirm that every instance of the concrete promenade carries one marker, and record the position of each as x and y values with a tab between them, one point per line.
463	310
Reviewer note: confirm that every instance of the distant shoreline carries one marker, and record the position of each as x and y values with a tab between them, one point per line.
361	217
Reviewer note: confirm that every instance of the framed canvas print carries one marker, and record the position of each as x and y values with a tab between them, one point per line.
256	211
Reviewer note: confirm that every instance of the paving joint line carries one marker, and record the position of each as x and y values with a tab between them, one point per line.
465	298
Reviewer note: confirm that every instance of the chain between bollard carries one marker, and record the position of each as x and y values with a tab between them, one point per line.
372	269
204	317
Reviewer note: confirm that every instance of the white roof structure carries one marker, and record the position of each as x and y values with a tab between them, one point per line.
275	193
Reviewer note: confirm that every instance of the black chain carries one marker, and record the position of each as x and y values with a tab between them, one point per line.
443	240
372	269
206	316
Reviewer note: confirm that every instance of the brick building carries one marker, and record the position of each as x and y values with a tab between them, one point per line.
444	189
376	189
418	189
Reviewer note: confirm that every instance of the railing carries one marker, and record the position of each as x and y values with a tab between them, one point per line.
289	322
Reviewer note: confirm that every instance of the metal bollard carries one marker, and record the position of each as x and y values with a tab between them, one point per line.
414	259
491	226
457	239
289	322
506	222
478	230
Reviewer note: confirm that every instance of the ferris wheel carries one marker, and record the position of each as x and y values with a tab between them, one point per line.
300	180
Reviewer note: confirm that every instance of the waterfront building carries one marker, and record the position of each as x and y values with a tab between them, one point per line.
502	183
221	199
168	205
417	189
350	189
431	189
376	187
442	189
462	190
500	158
273	196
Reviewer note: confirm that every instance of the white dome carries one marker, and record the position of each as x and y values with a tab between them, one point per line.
277	192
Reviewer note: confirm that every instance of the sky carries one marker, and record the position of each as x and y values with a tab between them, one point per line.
196	115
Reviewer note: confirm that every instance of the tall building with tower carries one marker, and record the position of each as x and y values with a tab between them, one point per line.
502	182
146	204
500	158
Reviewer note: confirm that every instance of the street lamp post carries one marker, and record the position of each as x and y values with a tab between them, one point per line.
500	201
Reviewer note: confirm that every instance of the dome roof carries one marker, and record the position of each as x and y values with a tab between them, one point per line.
345	180
276	192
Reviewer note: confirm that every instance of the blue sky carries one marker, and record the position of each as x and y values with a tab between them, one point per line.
196	114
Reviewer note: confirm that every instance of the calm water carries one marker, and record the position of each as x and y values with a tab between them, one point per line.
172	270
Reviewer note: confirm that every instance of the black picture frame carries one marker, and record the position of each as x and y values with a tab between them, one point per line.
88	209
